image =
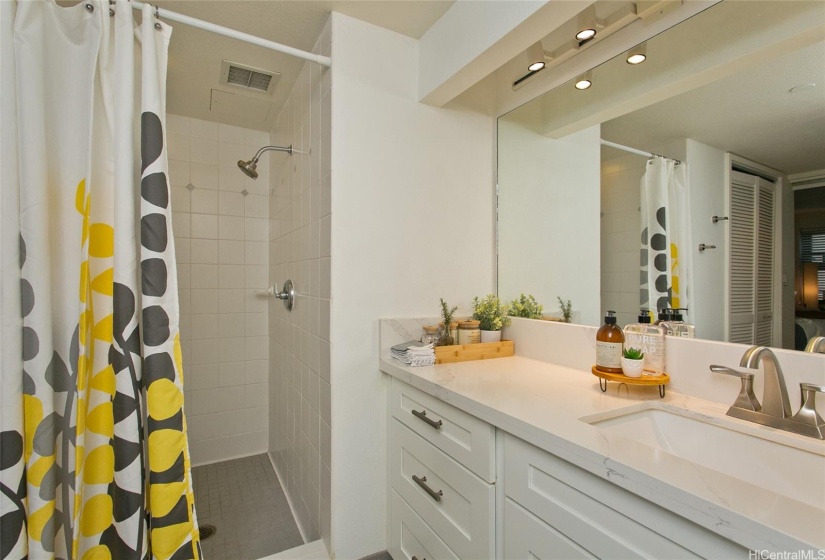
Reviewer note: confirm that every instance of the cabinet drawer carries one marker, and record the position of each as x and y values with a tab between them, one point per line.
526	537
463	437
411	538
600	517
459	506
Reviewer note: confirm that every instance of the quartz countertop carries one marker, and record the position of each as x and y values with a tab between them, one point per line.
543	403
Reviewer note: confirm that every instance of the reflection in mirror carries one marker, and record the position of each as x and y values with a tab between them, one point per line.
695	179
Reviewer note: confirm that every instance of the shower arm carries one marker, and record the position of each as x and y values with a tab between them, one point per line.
287	149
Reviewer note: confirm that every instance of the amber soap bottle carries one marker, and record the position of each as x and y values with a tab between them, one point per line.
609	340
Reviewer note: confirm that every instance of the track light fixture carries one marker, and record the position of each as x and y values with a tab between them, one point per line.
584	81
637	54
585	34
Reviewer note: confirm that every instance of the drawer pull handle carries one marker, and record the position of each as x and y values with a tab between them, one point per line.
416	558
422	415
422	482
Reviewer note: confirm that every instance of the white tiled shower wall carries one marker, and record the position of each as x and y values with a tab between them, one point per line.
221	227
299	211
620	243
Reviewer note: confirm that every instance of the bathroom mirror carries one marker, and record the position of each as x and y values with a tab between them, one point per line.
724	93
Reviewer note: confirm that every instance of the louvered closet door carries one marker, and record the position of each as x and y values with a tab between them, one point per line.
751	242
765	211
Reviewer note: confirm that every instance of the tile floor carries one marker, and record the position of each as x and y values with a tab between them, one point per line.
244	500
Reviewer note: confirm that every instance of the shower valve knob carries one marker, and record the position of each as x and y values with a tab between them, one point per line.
287	294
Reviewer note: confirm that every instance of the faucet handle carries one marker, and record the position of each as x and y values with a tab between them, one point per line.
746	399
807	413
811	388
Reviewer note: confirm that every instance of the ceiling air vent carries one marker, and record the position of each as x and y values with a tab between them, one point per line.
248	77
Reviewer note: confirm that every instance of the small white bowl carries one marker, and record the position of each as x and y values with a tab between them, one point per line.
633	368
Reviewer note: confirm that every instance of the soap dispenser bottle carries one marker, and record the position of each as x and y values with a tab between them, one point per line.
609	340
665	320
678	327
650	339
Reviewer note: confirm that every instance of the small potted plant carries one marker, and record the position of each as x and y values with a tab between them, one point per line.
633	362
492	317
447	313
526	306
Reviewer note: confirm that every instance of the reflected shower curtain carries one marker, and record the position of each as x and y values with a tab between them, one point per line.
95	462
666	263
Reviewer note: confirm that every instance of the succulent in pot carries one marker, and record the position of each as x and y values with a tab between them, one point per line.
633	362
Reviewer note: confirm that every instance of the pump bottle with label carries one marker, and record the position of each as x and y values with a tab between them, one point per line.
650	339
609	340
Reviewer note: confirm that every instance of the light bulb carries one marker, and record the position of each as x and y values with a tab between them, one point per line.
585	34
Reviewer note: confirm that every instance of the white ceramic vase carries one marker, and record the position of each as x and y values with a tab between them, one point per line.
490	336
632	368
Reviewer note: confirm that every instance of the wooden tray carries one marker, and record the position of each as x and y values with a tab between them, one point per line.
605	376
470	352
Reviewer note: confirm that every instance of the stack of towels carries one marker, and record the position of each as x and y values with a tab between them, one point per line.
414	353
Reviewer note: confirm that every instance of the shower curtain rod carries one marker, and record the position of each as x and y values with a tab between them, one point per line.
233	34
634	150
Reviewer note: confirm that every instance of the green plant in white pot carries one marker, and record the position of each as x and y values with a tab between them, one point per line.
492	316
633	362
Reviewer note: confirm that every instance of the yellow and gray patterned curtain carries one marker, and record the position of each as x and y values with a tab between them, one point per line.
95	461
666	263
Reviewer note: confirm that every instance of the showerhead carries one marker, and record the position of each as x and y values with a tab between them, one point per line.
250	167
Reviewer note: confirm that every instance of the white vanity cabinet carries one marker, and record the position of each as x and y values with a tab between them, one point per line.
554	509
455	487
442	475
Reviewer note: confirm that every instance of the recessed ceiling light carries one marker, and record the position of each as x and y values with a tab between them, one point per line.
585	34
802	87
536	66
636	58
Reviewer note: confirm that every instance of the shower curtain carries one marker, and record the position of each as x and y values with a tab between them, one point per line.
666	263
95	462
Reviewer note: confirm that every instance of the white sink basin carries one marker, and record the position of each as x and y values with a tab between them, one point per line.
787	465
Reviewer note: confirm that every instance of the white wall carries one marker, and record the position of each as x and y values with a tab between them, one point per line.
299	211
708	195
221	232
549	216
412	201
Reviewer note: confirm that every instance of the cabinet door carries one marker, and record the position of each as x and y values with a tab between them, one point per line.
605	520
526	537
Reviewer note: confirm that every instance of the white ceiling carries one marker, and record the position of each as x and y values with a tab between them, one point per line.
195	56
751	114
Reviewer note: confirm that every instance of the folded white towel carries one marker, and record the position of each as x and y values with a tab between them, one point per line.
414	354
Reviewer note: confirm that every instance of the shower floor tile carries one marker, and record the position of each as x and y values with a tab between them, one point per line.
244	500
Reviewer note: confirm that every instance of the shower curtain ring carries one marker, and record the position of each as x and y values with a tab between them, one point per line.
158	26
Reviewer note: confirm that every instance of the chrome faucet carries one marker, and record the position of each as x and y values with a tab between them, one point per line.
775	399
816	345
775	410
